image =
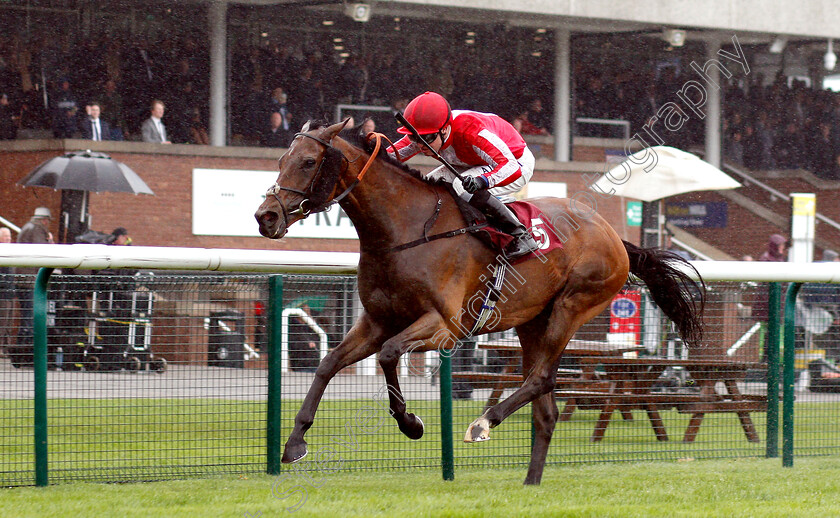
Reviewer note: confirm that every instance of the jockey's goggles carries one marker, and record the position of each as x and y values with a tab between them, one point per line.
428	138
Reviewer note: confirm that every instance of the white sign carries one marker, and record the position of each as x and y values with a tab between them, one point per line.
555	189
224	202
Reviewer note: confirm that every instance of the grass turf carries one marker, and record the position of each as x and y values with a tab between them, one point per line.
152	439
724	488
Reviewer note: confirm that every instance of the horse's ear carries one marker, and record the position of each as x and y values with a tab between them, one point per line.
333	130
305	127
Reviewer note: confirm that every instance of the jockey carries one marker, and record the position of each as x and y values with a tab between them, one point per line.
496	160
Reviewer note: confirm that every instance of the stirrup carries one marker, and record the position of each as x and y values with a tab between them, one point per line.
521	245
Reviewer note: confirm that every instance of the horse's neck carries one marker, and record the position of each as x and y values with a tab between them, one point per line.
388	207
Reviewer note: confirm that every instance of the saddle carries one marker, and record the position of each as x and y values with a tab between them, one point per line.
527	213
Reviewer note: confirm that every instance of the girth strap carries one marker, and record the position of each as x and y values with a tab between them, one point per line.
443	235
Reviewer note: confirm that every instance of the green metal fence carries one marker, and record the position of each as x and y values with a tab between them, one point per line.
156	375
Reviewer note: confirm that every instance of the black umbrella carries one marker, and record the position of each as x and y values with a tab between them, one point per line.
76	174
86	171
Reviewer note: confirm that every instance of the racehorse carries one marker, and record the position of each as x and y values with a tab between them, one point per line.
413	297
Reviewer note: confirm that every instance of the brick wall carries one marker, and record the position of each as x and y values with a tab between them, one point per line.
165	219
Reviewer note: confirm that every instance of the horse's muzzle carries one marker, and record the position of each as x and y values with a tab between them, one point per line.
270	223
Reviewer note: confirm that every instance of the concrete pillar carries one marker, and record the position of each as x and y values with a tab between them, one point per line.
218	71
713	138
562	95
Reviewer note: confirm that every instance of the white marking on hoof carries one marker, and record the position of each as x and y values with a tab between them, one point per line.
478	431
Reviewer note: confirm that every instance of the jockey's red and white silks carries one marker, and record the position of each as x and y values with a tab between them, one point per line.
477	139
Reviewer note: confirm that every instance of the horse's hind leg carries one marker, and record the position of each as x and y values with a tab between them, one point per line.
544	408
568	314
364	339
545	414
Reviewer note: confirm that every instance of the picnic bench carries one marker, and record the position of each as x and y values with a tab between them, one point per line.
566	377
607	381
632	383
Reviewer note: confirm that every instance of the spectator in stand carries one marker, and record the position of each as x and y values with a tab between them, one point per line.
776	249
789	149
64	108
356	79
8	119
180	119
306	96
823	153
525	126
751	147
111	109
278	133
94	127
538	116
764	135
734	149
256	111
198	130
153	129
279	103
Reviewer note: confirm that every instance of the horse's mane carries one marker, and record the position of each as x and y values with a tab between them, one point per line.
354	137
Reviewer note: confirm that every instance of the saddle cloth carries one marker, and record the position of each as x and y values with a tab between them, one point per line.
529	214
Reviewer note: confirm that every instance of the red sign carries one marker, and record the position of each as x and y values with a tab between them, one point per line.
625	313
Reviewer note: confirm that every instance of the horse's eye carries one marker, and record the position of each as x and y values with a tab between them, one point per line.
309	162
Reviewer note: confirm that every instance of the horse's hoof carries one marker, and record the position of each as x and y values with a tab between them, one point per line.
294	452
478	431
412	427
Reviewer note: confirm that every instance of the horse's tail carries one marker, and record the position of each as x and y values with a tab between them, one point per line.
678	295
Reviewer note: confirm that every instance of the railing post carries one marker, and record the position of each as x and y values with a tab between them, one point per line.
39	361
274	440
447	453
789	378
772	347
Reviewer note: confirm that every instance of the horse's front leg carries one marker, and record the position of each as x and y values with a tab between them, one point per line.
416	337
364	339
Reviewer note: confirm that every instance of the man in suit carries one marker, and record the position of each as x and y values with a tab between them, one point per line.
153	129
277	135
95	128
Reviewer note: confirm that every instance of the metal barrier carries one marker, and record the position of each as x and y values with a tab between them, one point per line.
195	418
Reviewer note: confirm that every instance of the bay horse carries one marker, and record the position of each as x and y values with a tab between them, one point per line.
411	296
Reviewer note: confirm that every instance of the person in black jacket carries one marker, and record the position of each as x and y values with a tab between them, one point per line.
278	133
93	127
8	119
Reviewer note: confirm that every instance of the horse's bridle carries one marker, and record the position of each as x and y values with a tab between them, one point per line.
275	189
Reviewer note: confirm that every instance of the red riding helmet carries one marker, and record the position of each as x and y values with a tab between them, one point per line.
428	113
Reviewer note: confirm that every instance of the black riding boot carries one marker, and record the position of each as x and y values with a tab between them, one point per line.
504	218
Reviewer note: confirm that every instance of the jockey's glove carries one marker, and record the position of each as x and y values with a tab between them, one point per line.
472	184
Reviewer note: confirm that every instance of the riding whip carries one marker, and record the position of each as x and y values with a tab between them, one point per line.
402	120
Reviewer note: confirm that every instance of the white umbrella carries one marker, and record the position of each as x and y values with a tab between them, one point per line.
661	171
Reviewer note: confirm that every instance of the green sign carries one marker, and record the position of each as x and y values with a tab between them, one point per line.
634	214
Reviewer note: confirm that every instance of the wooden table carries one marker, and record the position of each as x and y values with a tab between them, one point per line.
568	378
632	380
